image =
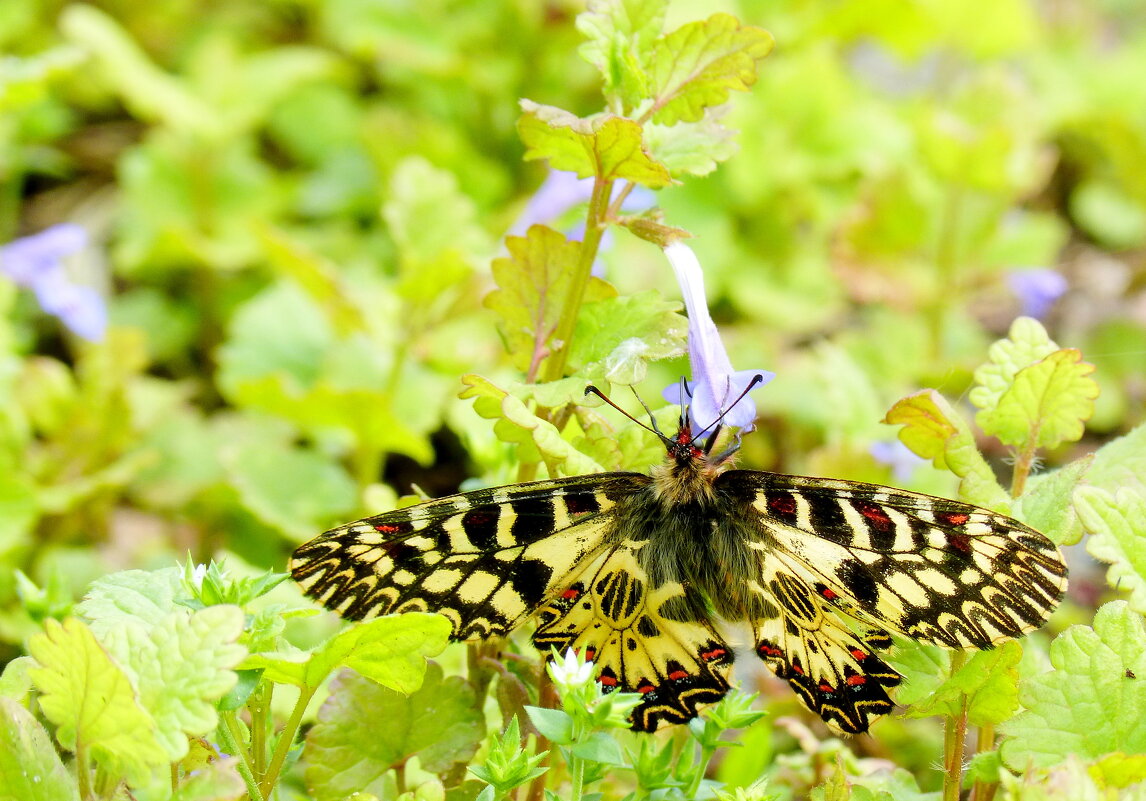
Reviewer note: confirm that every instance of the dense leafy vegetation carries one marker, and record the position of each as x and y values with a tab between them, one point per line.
255	267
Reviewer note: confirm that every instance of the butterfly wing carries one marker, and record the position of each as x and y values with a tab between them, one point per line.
653	640
485	559
932	569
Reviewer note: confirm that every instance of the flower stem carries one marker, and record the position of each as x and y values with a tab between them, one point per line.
229	735
286	739
83	771
594	228
699	770
984	791
954	733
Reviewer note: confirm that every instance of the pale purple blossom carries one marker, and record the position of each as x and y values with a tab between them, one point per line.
714	383
36	262
901	459
1037	289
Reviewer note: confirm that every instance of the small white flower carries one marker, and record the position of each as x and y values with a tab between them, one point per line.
571	671
197	576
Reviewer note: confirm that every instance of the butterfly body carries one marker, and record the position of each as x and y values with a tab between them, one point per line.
637	571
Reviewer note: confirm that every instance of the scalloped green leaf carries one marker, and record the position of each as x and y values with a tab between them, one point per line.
691	148
696	66
142	597
621	37
536	439
1047	504
615	339
1117	527
603	146
92	702
987	683
1048	402
348	752
30	768
218	780
1027	342
181	667
534	283
933	430
1121	463
390	650
1088	705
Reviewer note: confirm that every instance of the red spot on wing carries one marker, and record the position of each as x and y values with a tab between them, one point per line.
829	594
390	528
645	687
954	518
796	667
570	593
676	675
826	688
769	650
608	681
715	653
876	515
858	654
960	542
783	504
857	680
590	654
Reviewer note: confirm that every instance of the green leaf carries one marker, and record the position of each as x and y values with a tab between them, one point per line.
698	64
554	724
1118	770
1087	705
92	702
622	35
615	339
934	430
347	751
604	146
293	488
537	439
1121	463
15	681
1047	404
390	650
1027	342
534	283
1117	527
600	747
988	682
30	768
141	597
218	780
181	667
691	148
1047	503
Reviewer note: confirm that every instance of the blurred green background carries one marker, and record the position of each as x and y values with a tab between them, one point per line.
291	207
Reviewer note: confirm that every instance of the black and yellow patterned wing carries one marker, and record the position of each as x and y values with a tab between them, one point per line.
837	557
652	640
485	559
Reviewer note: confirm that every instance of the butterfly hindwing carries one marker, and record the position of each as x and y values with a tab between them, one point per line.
652	640
485	559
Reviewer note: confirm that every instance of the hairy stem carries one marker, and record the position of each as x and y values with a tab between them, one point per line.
229	736
954	733
286	739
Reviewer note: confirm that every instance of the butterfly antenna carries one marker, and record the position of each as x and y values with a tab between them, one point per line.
592	390
756	379
652	419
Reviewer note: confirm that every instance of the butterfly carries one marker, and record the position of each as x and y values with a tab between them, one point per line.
635	571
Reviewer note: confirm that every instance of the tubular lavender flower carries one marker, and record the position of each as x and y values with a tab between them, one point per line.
714	383
36	262
1037	289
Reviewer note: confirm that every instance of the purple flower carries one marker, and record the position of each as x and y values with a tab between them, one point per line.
36	262
1037	289
714	383
901	459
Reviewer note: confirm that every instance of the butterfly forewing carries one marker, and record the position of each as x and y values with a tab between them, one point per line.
485	559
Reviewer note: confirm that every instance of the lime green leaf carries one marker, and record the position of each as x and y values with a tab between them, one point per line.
622	34
534	284
537	439
390	650
30	768
19	509
1121	463
218	780
987	683
615	339
698	64
347	751
1027	342
181	666
934	430
15	681
1047	404
1047	503
292	488
603	146
92	702
691	148
143	597
1088	705
1117	527
1118	770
